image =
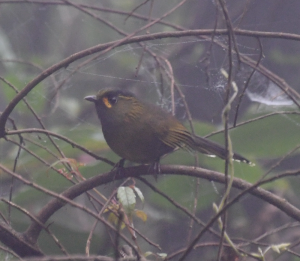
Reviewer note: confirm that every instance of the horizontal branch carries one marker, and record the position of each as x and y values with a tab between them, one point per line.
60	200
105	178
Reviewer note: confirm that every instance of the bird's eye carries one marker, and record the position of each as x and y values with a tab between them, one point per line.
112	100
109	101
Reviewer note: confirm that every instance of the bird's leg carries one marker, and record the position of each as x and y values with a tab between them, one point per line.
155	167
119	166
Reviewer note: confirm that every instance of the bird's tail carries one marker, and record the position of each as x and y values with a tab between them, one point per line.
213	149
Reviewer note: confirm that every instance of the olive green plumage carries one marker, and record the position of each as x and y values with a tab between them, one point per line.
141	132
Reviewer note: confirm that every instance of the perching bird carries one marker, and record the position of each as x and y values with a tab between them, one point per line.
141	132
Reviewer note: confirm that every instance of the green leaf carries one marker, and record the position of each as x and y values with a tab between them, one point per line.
139	193
127	198
162	255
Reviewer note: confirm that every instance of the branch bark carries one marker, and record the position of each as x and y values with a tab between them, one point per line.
32	233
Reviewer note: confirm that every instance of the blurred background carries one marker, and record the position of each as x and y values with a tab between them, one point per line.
35	35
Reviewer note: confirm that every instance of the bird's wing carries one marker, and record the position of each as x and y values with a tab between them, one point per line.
177	137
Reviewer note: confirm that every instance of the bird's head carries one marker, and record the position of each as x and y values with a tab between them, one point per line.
113	105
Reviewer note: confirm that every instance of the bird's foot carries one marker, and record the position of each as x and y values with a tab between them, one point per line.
119	167
155	168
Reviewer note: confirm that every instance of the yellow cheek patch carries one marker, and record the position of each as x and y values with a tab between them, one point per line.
106	102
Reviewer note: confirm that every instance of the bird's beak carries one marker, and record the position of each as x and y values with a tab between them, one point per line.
91	98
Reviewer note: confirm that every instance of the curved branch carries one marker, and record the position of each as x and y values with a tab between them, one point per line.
17	242
60	200
105	178
64	63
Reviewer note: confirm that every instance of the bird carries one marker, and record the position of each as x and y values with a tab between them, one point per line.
142	132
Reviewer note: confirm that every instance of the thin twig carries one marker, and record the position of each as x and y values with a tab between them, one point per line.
61	247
